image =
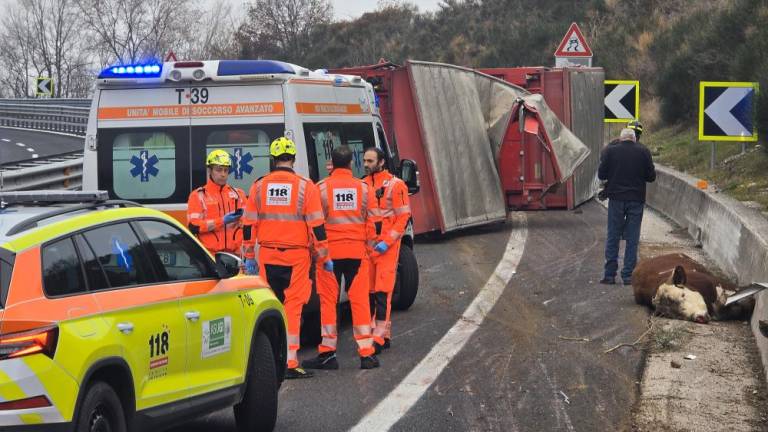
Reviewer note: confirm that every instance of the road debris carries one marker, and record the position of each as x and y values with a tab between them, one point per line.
675	364
690	357
574	339
565	398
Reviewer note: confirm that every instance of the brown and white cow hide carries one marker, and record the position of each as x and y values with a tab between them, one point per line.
676	286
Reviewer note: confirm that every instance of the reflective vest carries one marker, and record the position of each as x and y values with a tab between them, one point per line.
393	205
349	205
284	211
206	208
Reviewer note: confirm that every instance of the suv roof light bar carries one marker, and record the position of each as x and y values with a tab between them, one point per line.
32	221
51	197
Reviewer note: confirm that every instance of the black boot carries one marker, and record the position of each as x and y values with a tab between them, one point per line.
326	360
297	373
370	362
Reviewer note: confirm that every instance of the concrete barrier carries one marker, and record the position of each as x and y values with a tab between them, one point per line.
735	236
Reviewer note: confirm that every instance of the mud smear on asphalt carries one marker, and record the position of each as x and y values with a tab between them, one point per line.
517	372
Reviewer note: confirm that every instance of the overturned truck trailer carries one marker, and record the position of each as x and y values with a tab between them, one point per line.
456	123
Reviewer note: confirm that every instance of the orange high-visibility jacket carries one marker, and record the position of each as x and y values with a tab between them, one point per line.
206	208
350	211
284	211
393	205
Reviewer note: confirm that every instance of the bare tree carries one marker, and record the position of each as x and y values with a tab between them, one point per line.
128	31
211	34
40	38
282	28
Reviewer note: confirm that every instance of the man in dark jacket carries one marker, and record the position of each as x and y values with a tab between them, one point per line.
626	166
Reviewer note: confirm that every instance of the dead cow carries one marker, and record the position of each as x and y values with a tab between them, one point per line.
676	286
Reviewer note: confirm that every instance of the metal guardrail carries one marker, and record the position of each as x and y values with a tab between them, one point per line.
54	118
82	103
55	172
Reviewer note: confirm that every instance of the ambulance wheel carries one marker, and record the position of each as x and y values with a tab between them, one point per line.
258	409
407	281
101	410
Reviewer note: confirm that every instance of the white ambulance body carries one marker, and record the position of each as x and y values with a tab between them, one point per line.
151	127
149	133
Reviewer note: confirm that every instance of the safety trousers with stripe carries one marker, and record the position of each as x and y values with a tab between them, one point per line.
356	271
383	275
287	271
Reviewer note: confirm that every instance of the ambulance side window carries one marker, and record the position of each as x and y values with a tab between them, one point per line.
322	138
62	274
149	165
177	257
247	145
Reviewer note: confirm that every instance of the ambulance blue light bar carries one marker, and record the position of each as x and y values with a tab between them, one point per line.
253	67
132	71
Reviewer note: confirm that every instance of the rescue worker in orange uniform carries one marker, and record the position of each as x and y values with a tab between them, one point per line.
349	206
284	215
395	211
214	210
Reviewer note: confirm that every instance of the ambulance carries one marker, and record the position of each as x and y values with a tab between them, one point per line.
151	126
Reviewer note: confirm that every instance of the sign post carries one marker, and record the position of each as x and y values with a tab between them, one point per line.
44	86
573	49
727	112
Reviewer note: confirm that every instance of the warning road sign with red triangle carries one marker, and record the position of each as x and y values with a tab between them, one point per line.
573	44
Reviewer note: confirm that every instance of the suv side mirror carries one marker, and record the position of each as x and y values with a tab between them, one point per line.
227	265
409	173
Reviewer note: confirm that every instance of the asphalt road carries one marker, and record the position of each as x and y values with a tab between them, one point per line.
518	368
17	145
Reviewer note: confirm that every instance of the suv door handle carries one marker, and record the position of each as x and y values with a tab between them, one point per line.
192	315
125	327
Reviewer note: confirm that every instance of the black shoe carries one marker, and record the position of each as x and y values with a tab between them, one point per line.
297	373
386	344
370	362
608	281
326	360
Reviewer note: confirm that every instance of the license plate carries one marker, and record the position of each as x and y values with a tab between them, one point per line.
168	258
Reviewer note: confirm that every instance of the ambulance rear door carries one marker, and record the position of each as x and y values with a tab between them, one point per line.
243	120
329	115
143	142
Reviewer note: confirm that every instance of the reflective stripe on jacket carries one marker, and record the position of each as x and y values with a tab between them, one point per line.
206	208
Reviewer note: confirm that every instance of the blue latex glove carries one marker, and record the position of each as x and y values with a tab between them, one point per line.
381	247
251	268
231	217
328	266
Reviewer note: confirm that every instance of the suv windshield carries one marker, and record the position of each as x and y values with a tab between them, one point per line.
6	268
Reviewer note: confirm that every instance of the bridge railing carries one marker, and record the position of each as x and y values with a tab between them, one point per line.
44	115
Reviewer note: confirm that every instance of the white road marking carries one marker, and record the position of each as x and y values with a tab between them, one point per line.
20	144
30	149
392	408
34	155
6	140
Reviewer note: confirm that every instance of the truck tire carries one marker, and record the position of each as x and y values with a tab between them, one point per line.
407	281
101	410
258	410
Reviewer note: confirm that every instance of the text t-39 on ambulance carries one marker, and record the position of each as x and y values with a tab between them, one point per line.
151	126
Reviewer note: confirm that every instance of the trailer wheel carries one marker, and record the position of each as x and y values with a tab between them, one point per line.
407	281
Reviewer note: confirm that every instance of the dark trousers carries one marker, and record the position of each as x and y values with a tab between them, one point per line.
624	219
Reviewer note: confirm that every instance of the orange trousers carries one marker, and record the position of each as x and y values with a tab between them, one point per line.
356	278
287	272
383	275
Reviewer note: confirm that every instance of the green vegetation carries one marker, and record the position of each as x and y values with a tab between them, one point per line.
742	176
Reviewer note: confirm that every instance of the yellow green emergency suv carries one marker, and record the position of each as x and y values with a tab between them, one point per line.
114	318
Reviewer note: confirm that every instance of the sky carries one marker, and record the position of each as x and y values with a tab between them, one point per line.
350	9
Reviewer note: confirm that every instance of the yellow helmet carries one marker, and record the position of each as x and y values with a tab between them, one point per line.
282	146
218	157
